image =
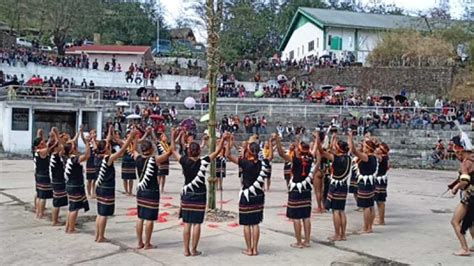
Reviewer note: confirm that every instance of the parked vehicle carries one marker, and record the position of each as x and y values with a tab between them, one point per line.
21	41
46	48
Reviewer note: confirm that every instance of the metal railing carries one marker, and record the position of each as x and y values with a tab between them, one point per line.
49	94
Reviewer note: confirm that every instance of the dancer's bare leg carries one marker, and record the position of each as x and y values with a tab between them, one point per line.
139	228
102	225
297	229
381	213
130	187
148	232
187	238
307	232
459	214
55	217
255	239
343	225
318	190
248	240
125	186
196	238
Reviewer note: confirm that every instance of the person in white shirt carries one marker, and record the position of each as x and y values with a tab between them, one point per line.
438	104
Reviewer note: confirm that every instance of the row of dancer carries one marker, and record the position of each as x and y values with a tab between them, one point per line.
255	169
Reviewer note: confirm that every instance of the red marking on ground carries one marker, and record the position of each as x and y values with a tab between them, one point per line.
181	224
281	214
166	198
284	205
167	204
212	225
224	201
162	217
233	225
164	214
132	212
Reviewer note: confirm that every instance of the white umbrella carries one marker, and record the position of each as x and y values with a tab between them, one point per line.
133	116
124	104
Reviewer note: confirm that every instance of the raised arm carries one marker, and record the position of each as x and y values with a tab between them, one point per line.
350	140
321	151
218	147
270	146
124	147
280	150
87	154
228	152
175	135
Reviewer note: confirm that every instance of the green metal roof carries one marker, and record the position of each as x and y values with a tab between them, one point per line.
357	20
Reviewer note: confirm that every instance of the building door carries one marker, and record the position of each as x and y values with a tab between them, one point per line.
89	120
65	121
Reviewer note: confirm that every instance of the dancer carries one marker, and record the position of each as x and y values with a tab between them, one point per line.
148	191
320	176
299	189
193	196
221	165
56	171
337	193
129	167
36	142
164	168
463	217
267	154
105	184
91	165
44	189
252	196
366	168
73	173
381	182
287	165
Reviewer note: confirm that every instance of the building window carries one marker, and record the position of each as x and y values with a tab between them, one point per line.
292	55
20	119
317	42
310	46
302	49
329	40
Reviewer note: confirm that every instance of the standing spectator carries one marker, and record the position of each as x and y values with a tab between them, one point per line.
248	124
91	85
177	89
263	125
174	114
114	63
438	104
95	64
280	130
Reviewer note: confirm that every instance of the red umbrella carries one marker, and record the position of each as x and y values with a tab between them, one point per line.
157	117
34	81
204	90
340	89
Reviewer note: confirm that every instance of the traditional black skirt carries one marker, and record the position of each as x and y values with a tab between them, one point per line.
337	196
128	173
148	203
380	190
365	194
77	198
164	169
220	172
91	171
468	220
193	206
353	183
299	204
327	182
251	211
59	194
268	172
105	200
44	190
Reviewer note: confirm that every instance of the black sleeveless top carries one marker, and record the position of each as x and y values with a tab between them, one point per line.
73	172
106	173
56	168
191	169
369	167
383	166
41	165
301	168
147	173
341	167
250	171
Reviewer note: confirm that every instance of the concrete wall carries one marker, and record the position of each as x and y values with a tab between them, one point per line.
16	141
425	83
102	78
299	40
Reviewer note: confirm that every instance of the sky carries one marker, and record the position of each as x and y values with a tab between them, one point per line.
176	8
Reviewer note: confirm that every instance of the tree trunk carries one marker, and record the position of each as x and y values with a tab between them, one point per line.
213	27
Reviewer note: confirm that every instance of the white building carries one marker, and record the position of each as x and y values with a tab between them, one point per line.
318	32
